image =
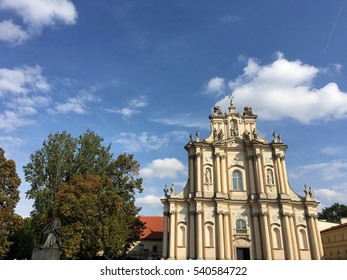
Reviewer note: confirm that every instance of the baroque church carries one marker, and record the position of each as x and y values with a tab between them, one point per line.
237	203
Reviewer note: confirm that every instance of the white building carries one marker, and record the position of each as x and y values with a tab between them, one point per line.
237	203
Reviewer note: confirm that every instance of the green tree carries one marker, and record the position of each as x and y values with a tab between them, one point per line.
49	168
93	194
126	182
333	213
9	197
92	157
23	241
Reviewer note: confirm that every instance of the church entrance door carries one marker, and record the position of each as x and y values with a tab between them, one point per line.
243	254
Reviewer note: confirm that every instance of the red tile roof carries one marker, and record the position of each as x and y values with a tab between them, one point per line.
154	227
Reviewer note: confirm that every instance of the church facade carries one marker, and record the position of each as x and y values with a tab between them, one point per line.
237	203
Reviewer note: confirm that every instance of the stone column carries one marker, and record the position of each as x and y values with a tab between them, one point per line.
319	238
279	173
251	174
227	236
260	173
199	244
224	177
172	235
231	229
165	234
287	237
284	172
258	241
198	172
220	235
191	174
313	237
294	237
219	189
192	238
264	227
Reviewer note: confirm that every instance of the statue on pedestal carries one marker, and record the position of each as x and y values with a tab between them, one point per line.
50	240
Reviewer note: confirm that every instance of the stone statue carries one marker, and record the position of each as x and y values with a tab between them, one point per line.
208	176
255	134
231	100
217	110
220	135
166	190
246	135
50	240
247	111
197	134
50	236
215	134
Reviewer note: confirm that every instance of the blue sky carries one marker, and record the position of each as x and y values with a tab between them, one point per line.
144	74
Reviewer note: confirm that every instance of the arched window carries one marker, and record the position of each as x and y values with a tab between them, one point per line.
277	238
209	235
241	226
237	180
181	240
303	239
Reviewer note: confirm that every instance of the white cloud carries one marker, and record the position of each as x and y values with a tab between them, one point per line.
331	151
144	141
28	105
10	120
338	67
35	15
330	195
169	168
10	144
22	80
76	104
150	201
10	141
12	33
283	89
215	86
21	89
184	120
230	18
132	107
326	171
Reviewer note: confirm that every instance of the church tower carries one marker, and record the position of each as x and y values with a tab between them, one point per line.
237	203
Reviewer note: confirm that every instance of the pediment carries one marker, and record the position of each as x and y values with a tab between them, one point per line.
234	143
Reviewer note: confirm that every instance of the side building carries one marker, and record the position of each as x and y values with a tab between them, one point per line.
237	203
334	241
150	244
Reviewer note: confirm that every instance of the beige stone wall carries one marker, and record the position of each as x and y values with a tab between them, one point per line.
335	243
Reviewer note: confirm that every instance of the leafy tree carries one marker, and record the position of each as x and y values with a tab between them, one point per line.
49	168
333	213
126	183
23	241
93	194
9	196
91	156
